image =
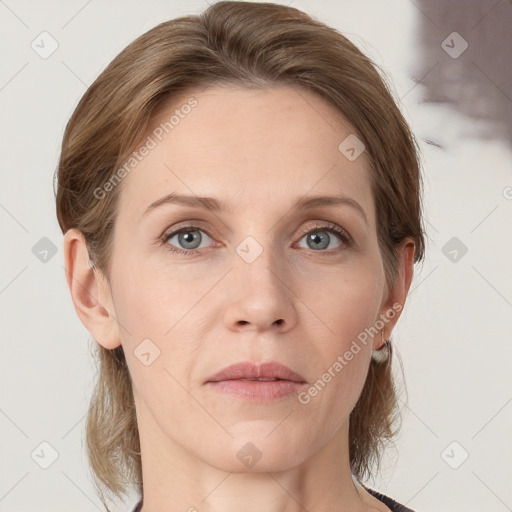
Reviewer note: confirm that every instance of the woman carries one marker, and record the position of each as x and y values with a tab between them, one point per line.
241	203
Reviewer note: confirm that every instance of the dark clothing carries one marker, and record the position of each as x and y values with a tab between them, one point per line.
390	503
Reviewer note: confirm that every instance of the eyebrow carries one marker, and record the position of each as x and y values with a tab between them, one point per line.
214	205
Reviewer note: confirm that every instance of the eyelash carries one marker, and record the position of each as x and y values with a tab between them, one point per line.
345	238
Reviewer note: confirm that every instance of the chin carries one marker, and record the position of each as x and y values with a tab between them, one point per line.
256	452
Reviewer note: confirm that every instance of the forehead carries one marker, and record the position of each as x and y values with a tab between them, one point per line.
243	145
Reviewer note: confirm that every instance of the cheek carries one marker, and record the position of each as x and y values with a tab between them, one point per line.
346	301
346	308
156	301
156	309
163	313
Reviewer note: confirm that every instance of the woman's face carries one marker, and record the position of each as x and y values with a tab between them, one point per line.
247	282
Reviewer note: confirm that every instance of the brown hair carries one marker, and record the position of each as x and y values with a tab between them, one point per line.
254	45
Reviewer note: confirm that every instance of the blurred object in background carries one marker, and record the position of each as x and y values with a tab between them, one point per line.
464	61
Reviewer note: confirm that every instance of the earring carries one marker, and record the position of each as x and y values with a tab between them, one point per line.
382	354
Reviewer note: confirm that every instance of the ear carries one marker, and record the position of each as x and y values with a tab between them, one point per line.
393	305
90	292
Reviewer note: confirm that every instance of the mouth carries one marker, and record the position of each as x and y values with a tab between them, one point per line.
257	382
248	370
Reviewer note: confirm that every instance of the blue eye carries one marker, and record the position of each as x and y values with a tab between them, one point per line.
191	238
318	238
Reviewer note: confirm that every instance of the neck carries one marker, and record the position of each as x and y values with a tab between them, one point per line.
176	480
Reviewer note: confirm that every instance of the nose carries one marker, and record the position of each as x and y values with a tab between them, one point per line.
260	294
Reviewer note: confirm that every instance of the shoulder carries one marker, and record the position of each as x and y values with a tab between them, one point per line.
393	505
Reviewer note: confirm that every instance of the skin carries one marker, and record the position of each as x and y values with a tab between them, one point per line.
259	151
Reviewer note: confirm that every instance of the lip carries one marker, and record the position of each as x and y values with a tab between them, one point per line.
249	370
239	379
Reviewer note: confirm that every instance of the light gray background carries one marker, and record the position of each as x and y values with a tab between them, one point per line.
454	335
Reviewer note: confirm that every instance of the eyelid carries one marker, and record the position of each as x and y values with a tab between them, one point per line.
190	224
324	224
